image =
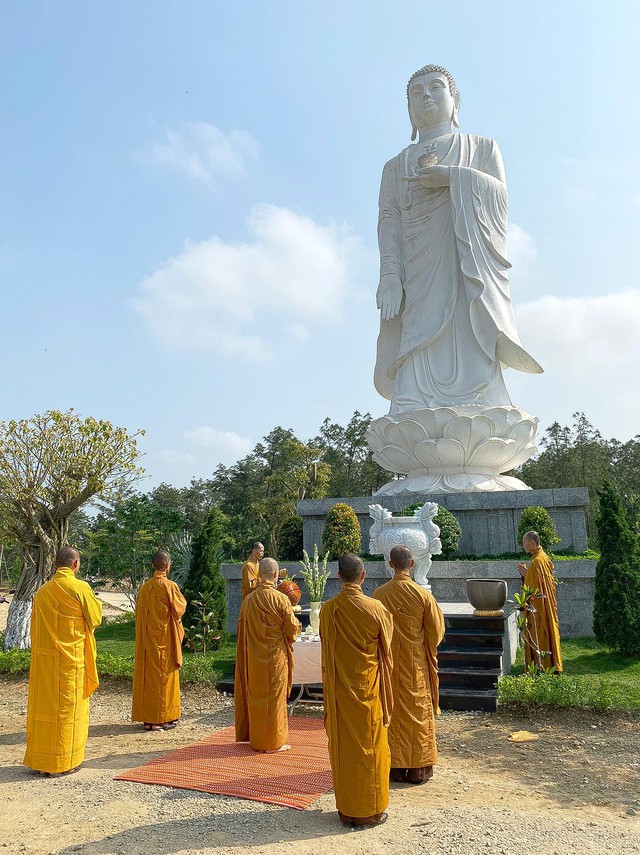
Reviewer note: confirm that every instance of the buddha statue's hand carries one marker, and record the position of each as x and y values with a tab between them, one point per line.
431	177
389	296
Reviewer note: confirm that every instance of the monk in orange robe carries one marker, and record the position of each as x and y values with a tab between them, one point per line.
542	631
356	633
250	569
63	672
159	634
418	629
264	664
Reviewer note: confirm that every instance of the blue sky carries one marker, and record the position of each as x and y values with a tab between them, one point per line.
188	206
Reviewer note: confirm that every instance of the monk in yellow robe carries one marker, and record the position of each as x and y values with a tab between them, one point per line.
63	672
542	636
356	633
264	664
250	569
158	657
418	629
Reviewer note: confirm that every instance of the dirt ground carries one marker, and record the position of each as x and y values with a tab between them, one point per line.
575	790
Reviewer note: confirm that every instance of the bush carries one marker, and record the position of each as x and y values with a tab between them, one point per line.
199	669
538	519
559	690
616	617
450	532
291	540
14	661
204	577
342	531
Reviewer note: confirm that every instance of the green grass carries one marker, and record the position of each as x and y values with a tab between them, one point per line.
593	677
116	647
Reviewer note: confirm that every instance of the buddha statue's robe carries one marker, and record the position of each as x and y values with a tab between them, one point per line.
63	673
356	633
542	625
455	329
158	654
418	629
264	667
249	576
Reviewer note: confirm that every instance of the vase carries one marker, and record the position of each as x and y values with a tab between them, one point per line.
487	596
418	533
314	617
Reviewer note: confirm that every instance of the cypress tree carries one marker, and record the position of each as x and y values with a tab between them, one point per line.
616	616
204	576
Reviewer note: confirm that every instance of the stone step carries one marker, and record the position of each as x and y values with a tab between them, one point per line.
469	678
450	656
469	699
473	638
459	622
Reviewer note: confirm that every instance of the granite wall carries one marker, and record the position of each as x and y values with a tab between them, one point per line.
489	521
576	581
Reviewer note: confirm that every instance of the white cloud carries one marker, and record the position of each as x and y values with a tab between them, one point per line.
522	249
298	332
203	152
590	350
228	445
228	297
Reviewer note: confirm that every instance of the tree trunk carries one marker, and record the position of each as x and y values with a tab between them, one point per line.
37	568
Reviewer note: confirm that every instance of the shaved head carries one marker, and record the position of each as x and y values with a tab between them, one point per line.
66	555
400	558
350	567
160	559
268	568
532	537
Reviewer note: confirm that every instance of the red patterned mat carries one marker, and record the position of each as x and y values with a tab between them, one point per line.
294	778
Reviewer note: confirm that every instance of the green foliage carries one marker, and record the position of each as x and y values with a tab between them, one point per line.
315	576
291	539
50	466
342	531
599	678
560	690
127	534
347	452
205	578
204	633
579	456
538	519
450	532
616	613
14	661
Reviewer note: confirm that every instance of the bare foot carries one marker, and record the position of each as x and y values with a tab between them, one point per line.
277	750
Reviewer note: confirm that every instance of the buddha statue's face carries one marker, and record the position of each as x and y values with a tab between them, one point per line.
430	101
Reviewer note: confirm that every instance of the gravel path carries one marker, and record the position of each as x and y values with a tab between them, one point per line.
576	790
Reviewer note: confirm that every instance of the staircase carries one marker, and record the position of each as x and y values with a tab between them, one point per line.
474	652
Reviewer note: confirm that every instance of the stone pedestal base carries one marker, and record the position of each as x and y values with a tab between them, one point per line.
453	449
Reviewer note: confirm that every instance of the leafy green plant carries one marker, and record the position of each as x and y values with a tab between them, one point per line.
528	628
538	519
561	690
204	633
616	616
205	577
342	531
315	575
450	532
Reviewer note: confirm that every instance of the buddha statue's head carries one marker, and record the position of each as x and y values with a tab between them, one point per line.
432	97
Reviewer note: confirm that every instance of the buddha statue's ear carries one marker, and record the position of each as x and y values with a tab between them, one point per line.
414	132
456	110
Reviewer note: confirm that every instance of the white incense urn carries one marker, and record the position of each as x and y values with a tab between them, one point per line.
417	532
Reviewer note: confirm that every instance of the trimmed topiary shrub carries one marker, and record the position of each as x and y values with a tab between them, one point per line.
616	617
291	540
538	519
450	532
341	532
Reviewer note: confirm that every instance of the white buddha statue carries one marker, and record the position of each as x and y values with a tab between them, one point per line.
447	327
